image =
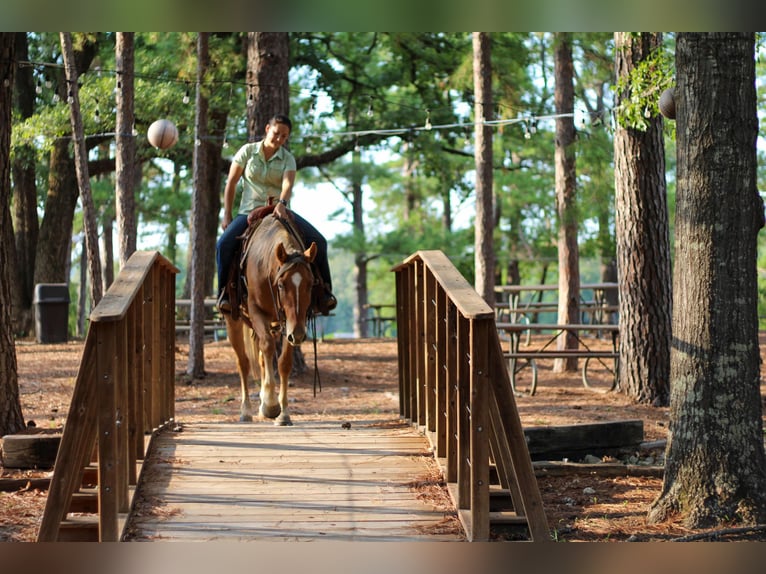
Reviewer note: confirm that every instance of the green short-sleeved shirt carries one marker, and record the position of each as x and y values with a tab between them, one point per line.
261	178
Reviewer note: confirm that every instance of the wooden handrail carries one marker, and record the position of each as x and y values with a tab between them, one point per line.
124	389
453	382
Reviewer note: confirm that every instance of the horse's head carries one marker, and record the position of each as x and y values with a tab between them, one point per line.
294	282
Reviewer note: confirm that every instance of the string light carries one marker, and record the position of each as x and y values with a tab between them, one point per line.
529	123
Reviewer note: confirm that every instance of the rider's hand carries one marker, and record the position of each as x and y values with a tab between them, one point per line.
280	211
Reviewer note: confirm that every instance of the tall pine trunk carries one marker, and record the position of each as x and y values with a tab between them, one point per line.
11	419
715	470
484	258
26	227
81	168
643	243
196	363
125	160
569	253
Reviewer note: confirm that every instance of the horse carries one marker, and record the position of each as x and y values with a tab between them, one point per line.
279	279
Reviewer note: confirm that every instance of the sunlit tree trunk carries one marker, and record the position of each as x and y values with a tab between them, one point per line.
126	147
643	243
484	252
569	254
715	469
81	168
196	363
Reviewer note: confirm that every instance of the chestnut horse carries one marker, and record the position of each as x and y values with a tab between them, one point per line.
279	279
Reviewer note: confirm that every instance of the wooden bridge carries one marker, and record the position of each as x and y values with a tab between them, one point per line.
127	470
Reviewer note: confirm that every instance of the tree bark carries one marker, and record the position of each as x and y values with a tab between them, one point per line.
26	227
361	259
126	147
196	364
11	419
54	242
643	243
569	255
81	167
268	64
484	252
715	470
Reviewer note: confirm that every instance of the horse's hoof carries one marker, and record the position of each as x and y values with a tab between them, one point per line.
271	412
283	421
245	418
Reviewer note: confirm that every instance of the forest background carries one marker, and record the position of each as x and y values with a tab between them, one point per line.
399	106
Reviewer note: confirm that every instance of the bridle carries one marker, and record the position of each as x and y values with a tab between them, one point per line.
292	260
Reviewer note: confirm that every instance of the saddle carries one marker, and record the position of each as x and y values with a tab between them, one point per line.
236	285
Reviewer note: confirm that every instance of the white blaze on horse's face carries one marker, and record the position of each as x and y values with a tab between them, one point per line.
297	280
295	291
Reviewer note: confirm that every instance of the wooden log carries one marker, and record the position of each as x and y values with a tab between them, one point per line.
545	468
575	441
14	484
28	451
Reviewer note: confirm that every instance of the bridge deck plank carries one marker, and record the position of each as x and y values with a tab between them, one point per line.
312	481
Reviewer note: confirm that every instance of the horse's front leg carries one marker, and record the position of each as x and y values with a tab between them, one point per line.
270	407
285	368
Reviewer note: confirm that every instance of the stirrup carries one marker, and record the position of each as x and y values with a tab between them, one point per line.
223	303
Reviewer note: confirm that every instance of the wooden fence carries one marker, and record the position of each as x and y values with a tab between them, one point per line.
453	382
124	390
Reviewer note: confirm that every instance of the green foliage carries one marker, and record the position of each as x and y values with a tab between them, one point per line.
642	88
374	92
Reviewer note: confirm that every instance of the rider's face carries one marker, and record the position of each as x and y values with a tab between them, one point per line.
277	134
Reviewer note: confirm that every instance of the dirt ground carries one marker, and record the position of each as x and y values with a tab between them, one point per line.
358	379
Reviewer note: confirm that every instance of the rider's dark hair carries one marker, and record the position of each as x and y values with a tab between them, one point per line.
281	119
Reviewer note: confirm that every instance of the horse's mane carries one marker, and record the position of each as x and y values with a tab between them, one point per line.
270	231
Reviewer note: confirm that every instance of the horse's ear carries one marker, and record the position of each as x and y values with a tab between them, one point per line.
281	253
311	252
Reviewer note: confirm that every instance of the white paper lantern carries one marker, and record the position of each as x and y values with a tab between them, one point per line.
162	134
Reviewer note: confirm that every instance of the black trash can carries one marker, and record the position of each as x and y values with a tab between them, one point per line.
51	301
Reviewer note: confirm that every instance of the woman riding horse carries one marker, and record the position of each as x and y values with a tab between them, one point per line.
267	170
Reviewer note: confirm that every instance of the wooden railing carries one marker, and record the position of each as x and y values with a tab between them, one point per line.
453	382
124	390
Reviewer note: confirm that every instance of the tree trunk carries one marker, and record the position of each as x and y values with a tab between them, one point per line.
53	246
126	147
268	64
25	225
54	242
81	167
484	252
11	419
361	326
643	243
715	469
569	255
196	364
217	131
